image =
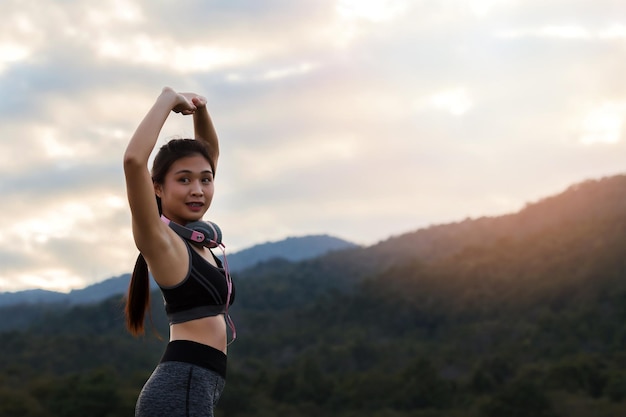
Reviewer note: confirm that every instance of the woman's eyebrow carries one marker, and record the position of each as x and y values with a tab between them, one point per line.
188	171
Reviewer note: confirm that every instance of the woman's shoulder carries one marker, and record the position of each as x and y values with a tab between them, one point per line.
169	264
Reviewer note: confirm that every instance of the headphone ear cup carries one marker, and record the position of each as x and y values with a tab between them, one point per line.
211	231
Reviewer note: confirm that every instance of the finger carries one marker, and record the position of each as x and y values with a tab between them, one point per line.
199	101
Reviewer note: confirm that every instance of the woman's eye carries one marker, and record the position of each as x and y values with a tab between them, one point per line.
184	180
207	180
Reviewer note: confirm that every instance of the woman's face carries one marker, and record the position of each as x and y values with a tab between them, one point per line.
187	190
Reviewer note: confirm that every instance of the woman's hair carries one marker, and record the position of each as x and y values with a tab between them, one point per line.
138	299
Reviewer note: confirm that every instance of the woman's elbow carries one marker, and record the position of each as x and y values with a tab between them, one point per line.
132	160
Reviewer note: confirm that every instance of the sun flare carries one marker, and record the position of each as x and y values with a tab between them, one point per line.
604	124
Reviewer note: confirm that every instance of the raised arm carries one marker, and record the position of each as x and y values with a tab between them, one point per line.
147	227
203	126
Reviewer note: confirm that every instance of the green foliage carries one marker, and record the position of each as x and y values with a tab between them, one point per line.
18	402
616	386
584	373
94	394
520	399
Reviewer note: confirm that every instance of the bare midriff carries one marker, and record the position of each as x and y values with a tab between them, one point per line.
209	331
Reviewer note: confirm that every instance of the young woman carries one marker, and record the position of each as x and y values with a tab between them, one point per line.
197	290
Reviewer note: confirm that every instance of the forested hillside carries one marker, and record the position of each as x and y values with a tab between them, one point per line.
518	315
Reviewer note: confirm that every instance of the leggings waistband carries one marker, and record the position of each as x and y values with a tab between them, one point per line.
197	354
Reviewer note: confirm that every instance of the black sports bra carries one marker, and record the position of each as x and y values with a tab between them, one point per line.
202	293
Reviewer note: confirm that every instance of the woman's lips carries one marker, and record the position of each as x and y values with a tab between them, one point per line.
195	206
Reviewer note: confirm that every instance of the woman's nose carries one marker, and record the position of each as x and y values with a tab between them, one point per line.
196	188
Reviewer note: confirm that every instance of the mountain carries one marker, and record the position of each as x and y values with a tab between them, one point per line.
588	201
516	315
100	291
291	249
92	293
31	297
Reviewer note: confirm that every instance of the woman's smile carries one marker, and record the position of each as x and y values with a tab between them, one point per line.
195	206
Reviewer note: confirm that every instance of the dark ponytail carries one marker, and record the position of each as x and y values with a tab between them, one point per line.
138	300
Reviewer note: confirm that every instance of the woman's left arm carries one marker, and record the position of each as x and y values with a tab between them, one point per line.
203	126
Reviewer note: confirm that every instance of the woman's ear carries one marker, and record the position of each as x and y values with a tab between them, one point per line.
158	189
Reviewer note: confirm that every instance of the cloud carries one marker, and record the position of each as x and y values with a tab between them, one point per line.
358	118
574	32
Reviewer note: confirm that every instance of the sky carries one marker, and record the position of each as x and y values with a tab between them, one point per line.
362	119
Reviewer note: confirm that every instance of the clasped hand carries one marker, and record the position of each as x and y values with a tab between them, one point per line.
186	103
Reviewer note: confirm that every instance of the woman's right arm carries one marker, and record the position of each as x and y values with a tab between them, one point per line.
148	230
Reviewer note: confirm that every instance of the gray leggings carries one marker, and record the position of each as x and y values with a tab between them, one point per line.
180	389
